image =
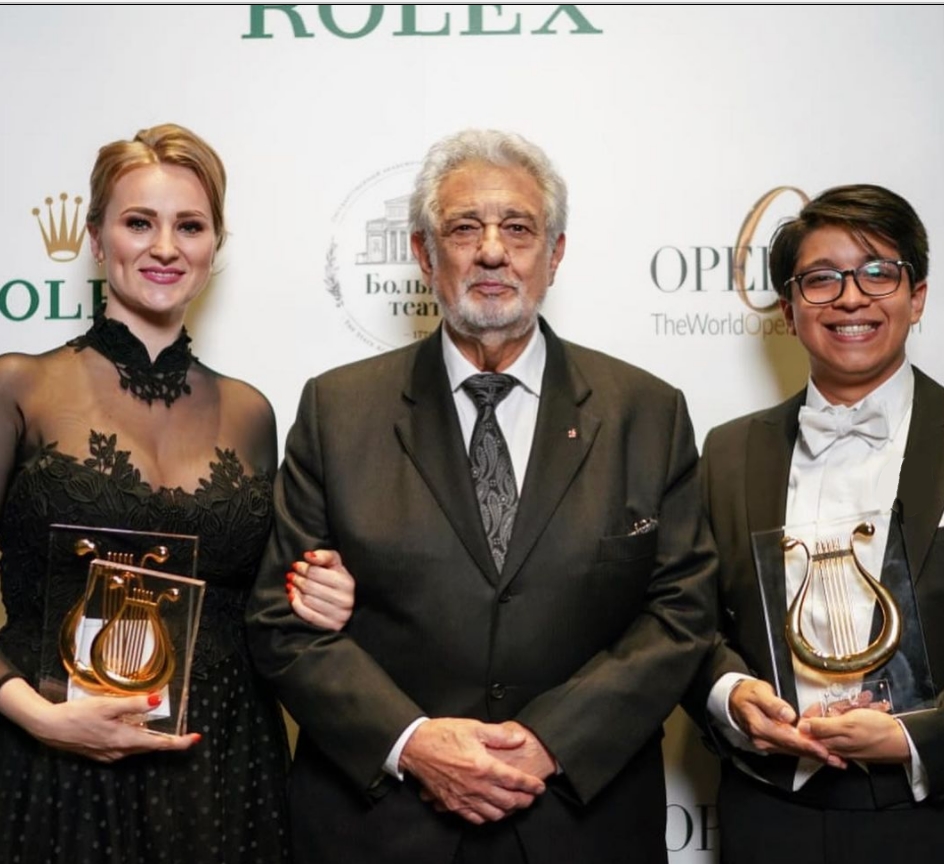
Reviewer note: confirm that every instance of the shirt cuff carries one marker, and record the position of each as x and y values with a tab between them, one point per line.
719	709
915	770
392	763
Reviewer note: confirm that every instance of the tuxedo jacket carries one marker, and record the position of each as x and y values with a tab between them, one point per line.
745	469
588	636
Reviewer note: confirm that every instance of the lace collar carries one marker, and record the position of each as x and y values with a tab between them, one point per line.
163	380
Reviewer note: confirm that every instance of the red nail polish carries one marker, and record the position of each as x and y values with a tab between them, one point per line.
290	577
291	595
154	699
197	737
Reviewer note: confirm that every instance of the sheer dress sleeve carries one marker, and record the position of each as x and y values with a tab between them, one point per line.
11	430
212	435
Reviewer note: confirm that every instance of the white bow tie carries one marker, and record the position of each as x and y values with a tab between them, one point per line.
821	429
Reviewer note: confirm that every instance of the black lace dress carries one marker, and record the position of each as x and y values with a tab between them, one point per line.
222	801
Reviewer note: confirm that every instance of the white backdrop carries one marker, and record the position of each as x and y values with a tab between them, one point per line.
669	123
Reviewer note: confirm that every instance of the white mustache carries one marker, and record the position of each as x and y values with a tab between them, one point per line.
476	278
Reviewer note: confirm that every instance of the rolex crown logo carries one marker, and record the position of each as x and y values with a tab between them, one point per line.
63	240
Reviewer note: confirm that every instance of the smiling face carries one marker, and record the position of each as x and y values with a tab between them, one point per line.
157	243
489	260
856	342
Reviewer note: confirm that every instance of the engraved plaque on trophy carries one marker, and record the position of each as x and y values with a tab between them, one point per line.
842	620
122	611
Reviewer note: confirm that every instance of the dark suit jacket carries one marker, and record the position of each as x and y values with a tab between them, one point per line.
588	636
745	468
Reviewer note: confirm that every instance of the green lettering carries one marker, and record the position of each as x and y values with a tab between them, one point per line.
98	294
257	22
408	24
581	24
32	294
54	314
326	15
477	23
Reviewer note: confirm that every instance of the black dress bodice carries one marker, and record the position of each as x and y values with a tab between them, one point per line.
230	512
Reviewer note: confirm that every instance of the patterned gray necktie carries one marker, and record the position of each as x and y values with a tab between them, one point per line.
492	471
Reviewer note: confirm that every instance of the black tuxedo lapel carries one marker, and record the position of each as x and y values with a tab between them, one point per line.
430	433
921	484
562	438
769	452
771	439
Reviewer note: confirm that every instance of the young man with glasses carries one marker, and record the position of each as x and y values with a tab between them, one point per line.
866	434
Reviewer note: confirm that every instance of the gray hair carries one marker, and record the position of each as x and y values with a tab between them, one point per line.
493	147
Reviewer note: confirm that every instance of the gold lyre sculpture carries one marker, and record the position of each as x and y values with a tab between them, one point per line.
132	652
834	568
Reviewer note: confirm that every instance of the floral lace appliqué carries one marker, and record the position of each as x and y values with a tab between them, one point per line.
230	511
108	459
163	380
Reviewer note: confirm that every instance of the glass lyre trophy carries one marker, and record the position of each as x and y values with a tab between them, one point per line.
842	620
121	618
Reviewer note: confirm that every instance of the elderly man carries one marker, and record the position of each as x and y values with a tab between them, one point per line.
866	433
534	575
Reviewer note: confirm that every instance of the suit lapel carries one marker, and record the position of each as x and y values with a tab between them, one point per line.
770	444
769	452
920	486
562	438
920	495
430	433
921	483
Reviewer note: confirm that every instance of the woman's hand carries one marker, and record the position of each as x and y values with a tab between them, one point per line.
103	728
321	590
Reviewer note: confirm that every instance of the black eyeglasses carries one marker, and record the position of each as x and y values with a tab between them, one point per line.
874	279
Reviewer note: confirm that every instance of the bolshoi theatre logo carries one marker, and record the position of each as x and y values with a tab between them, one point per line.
370	271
